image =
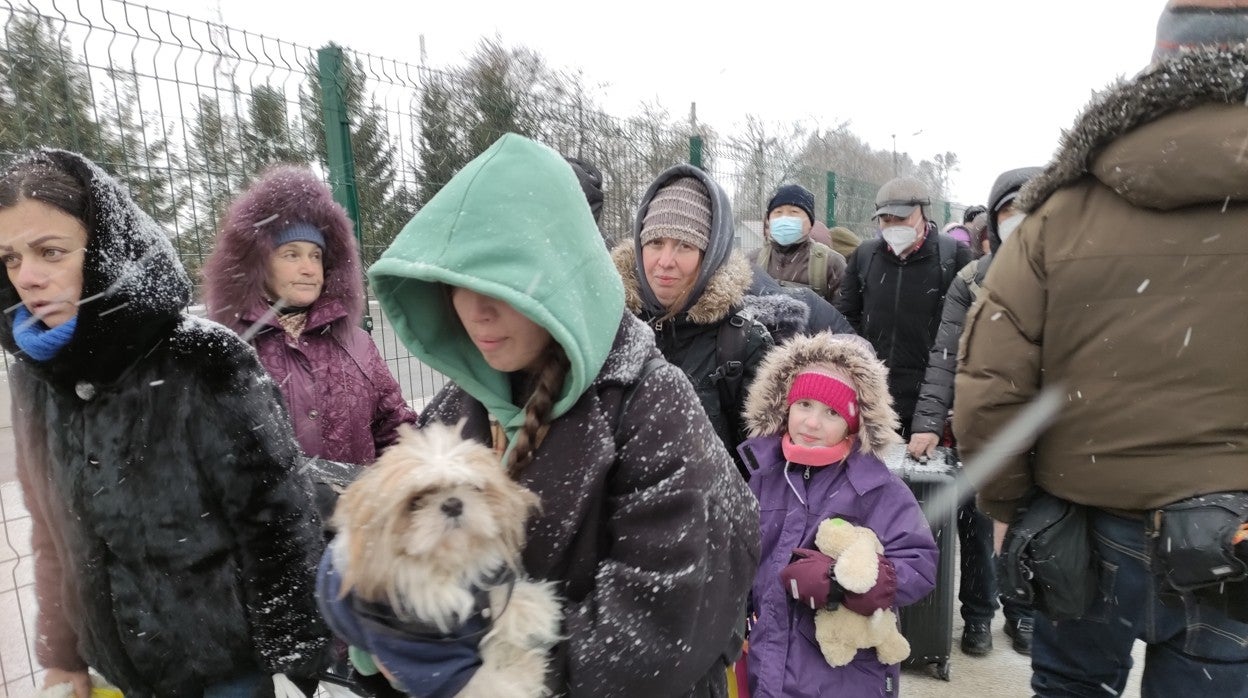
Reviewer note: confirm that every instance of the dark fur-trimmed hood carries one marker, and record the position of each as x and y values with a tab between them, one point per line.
766	406
725	289
235	274
1188	80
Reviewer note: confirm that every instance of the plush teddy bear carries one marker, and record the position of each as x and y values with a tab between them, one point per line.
842	632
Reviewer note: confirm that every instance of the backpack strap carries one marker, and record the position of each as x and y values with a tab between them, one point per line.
730	343
647	368
864	265
947	252
817	268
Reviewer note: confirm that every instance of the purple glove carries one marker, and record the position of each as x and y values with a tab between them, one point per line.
882	595
808	579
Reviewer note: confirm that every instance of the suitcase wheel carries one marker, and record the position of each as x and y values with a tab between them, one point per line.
942	670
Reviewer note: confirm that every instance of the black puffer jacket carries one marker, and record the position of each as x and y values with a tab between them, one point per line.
653	539
175	543
896	304
936	395
718	298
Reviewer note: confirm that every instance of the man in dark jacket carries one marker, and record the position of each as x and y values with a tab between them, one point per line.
977	591
894	287
790	256
1125	286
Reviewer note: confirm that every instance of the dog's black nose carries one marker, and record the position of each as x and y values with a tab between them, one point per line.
453	507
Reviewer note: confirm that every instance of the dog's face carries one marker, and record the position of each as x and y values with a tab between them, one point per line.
434	508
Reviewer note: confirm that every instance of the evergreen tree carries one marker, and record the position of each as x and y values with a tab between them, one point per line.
443	148
138	151
268	137
386	204
45	92
214	157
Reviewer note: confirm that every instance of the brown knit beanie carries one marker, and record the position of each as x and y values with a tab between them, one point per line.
681	210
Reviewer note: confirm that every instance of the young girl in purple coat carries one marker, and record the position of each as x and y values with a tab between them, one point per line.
820	416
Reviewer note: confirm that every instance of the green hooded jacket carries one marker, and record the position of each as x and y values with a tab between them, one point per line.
513	225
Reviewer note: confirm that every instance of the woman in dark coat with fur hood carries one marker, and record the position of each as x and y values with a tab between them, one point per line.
286	275
174	540
682	277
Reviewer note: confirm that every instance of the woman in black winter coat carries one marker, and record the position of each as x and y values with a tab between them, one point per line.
682	277
174	540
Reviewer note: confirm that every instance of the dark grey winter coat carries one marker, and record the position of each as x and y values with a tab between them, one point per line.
936	395
175	543
653	613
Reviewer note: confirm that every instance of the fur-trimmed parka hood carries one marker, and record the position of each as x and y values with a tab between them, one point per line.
736	286
1170	137
235	274
725	289
766	406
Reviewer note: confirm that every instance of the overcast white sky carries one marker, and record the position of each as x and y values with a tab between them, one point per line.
993	81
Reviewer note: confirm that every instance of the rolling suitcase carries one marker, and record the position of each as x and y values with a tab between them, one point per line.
928	623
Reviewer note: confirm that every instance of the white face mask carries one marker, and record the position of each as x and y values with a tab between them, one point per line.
1007	227
899	237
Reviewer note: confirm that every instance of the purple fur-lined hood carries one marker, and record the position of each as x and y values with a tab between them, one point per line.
234	276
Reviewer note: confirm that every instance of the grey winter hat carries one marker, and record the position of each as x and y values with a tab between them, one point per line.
681	210
1189	24
899	196
300	232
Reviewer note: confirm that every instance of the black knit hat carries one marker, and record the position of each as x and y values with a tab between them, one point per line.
591	183
793	195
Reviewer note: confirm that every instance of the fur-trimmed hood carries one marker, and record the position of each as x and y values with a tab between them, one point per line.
725	289
235	273
1112	140
766	406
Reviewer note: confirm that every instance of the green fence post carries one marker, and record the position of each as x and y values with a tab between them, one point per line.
338	144
948	213
695	151
830	215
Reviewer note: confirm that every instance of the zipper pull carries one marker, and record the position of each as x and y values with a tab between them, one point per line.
806	475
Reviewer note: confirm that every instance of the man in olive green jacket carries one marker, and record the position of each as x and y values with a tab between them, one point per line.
1125	285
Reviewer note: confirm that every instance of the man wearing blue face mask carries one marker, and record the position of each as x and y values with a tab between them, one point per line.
894	287
790	256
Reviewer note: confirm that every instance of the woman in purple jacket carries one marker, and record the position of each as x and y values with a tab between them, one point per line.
821	416
286	276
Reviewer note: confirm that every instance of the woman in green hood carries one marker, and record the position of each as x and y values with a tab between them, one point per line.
501	282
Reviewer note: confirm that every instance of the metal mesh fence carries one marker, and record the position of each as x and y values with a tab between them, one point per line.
188	111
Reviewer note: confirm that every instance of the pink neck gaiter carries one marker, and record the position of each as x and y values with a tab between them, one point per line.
816	456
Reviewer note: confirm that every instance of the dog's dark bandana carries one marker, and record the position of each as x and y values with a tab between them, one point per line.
425	661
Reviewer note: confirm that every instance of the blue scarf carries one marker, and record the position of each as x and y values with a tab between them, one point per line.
34	337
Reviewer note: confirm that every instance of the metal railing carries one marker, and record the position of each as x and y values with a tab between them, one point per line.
188	111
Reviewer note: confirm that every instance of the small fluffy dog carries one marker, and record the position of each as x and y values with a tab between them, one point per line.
434	520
